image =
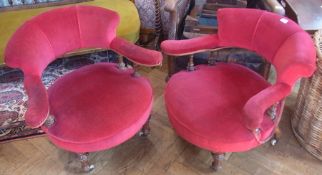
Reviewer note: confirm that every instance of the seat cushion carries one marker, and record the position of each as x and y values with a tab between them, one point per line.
205	106
97	107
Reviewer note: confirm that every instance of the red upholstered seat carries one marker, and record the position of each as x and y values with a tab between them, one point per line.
228	108
206	106
97	107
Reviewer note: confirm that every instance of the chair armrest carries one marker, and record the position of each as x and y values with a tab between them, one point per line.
257	105
38	105
135	53
189	46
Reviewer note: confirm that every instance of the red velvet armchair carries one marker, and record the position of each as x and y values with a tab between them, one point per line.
229	108
95	107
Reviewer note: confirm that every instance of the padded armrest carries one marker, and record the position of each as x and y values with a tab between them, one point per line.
135	53
257	105
38	105
189	46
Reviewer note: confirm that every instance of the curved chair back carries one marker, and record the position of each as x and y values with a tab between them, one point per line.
278	39
42	39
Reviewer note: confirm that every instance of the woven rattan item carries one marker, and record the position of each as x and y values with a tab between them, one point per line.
307	119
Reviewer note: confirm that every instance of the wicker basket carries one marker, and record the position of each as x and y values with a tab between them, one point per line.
307	119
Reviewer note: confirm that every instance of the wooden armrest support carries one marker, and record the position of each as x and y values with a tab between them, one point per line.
205	29
215	6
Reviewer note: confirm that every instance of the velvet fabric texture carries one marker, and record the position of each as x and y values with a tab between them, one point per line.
128	28
97	106
222	108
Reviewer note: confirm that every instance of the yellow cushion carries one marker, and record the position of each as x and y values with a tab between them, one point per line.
128	28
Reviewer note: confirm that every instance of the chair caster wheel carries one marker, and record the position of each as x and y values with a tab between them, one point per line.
88	168
273	142
144	132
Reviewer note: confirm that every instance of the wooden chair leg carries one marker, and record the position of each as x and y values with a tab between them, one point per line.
171	66
86	166
216	164
146	130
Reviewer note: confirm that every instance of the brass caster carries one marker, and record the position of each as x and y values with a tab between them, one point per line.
273	142
88	168
145	132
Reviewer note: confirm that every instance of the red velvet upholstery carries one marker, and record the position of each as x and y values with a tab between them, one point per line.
95	107
123	47
216	110
220	107
183	47
103	104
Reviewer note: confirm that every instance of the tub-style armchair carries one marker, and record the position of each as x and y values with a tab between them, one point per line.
95	107
229	108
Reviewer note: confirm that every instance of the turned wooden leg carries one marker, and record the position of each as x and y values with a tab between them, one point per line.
276	136
145	131
86	166
171	66
216	164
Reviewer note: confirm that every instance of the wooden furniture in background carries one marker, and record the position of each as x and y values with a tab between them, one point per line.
161	19
308	13
272	5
